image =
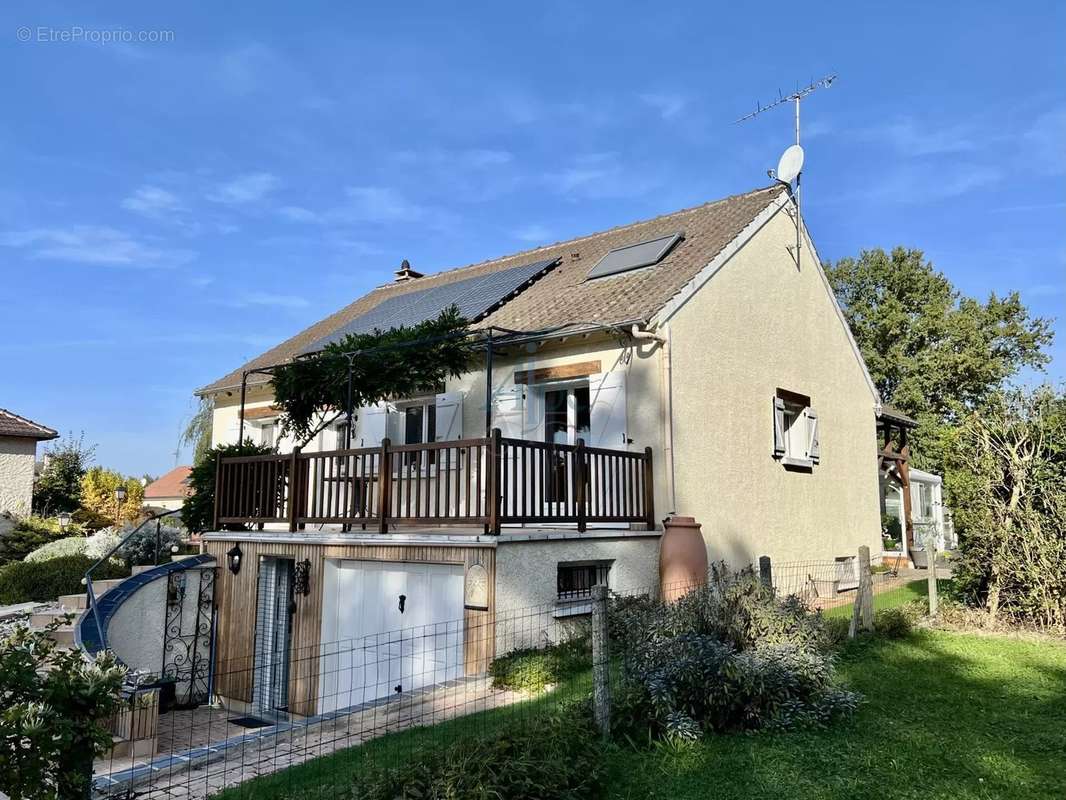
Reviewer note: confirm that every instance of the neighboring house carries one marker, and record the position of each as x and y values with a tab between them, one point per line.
18	455
169	491
706	370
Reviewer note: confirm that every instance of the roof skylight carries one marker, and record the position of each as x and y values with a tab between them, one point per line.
635	256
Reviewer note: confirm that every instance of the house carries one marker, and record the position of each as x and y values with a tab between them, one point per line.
693	363
18	455
169	491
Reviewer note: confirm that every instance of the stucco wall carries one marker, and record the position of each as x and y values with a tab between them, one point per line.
17	456
759	325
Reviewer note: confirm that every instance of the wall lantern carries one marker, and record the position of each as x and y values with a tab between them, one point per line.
64	520
120	494
301	581
234	555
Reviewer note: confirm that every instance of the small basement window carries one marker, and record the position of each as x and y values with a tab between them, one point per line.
796	436
635	256
574	582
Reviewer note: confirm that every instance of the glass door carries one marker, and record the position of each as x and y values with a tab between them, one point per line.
567	418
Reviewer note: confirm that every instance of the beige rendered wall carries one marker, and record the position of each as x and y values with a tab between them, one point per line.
17	455
757	325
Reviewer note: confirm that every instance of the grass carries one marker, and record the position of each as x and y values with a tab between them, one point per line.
946	715
893	598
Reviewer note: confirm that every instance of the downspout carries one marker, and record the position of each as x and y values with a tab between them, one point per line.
667	391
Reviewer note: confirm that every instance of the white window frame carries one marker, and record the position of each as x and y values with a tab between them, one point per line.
795	431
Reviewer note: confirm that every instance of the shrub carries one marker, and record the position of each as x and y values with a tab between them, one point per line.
141	548
531	669
548	758
42	581
895	623
56	703
198	510
91	520
729	656
93	547
28	534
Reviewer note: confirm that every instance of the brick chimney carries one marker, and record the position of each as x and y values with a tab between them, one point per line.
405	273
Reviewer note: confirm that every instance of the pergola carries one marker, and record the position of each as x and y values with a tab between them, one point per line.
893	427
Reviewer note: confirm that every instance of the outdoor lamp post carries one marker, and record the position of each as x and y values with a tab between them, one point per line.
120	498
64	520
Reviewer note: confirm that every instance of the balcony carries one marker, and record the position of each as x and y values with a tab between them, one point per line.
485	483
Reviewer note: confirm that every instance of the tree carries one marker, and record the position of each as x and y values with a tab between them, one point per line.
197	433
931	352
98	494
396	363
1007	466
53	720
198	511
58	487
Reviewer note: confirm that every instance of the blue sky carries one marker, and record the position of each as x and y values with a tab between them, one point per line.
171	208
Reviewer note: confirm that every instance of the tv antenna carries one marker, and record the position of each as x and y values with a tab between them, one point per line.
790	165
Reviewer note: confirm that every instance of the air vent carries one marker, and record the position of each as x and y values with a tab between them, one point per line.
635	256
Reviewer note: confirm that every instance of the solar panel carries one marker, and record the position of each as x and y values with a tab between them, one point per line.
634	256
473	296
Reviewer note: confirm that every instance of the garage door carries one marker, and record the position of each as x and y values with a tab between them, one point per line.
388	627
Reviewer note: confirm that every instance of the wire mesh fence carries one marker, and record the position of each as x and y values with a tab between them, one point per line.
291	722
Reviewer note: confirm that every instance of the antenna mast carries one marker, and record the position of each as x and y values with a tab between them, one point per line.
795	161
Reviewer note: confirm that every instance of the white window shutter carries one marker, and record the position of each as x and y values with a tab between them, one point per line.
607	401
780	447
373	424
449	416
508	412
814	449
233	431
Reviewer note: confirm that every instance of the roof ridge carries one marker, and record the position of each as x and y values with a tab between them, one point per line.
29	421
583	238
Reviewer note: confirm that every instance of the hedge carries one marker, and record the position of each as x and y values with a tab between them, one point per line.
42	581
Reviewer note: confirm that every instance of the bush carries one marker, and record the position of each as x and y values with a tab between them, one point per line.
141	549
548	758
896	623
729	656
42	581
91	520
532	670
29	534
94	547
198	510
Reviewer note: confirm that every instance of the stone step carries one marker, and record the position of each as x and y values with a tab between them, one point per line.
75	602
43	618
63	635
102	586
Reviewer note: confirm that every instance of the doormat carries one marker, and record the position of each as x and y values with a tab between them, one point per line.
250	722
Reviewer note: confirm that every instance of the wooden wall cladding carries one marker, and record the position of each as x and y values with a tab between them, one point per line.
235	597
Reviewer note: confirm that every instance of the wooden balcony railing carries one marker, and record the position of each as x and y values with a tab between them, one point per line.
486	482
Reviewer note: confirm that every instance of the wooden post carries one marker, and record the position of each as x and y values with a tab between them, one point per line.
294	487
930	553
218	491
766	576
649	490
494	464
580	495
601	662
384	485
862	612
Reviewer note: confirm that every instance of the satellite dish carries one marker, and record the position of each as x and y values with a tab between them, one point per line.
790	164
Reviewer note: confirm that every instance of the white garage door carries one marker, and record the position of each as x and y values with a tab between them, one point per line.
388	627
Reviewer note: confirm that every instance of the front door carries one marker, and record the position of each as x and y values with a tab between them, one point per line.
567	418
273	637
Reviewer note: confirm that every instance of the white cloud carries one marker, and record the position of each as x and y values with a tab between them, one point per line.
376	204
533	233
244	189
599	176
913	138
153	202
668	104
299	214
911	185
93	244
1044	143
268	300
1045	290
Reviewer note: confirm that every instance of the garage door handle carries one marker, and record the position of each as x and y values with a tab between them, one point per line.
403	601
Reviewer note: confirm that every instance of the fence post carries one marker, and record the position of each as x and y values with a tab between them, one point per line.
293	487
649	490
930	554
494	464
580	495
862	612
601	662
384	485
766	575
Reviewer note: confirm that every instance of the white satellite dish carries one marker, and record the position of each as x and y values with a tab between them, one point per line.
790	164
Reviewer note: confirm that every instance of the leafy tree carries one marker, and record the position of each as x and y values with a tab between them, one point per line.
933	353
98	494
198	511
1007	467
58	487
197	433
396	363
53	721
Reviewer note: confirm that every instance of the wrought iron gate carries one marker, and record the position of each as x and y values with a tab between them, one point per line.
188	635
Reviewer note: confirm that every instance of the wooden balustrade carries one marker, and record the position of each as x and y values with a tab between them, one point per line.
486	482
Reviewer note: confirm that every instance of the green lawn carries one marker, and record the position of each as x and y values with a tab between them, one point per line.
893	598
945	715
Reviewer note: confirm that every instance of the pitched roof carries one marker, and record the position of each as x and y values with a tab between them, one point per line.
563	297
173	484
12	424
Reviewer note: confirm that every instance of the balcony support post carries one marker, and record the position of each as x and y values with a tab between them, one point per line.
384	485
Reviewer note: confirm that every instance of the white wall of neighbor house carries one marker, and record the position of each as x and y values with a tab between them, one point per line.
759	325
168	503
17	456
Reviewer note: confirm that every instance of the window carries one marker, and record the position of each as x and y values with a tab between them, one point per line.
419	427
266	434
575	580
567	418
796	437
925	501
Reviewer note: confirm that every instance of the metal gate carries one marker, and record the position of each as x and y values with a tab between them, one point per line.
188	637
